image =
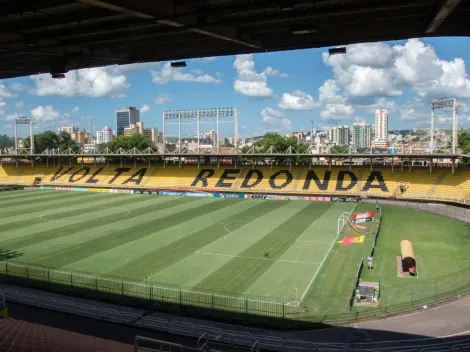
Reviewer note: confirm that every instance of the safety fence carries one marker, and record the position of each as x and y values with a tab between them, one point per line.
356	283
376	234
248	309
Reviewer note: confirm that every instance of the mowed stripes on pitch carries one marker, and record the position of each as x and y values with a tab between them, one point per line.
242	246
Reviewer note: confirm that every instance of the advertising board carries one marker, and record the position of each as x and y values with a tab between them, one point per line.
363	217
146	191
198	194
172	193
63	188
80	189
98	190
128	191
48	187
229	195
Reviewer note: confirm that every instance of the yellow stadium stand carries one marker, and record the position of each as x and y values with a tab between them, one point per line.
338	180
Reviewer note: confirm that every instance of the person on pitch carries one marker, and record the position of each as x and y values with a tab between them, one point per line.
369	262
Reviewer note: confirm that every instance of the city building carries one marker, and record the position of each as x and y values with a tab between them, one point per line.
104	136
81	137
361	135
151	134
301	136
130	130
69	129
340	135
381	125
125	118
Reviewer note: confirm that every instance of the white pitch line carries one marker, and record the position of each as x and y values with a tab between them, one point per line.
257	258
322	262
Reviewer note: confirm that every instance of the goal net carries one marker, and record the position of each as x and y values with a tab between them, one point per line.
345	219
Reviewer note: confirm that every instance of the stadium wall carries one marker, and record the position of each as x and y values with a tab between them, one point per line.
321	181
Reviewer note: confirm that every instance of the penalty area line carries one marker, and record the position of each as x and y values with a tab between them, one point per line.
257	258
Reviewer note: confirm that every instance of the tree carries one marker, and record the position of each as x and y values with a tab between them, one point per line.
6	141
464	141
339	149
52	140
137	141
280	145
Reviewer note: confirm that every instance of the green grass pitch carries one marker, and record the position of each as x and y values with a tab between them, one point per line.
263	248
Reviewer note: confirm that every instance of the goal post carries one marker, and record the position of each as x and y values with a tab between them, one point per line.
341	223
345	219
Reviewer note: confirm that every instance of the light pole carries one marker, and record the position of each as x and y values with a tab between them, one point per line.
311	135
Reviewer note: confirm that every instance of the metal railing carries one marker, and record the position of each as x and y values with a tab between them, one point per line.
230	307
208	336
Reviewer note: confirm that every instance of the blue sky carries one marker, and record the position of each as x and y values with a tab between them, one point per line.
279	92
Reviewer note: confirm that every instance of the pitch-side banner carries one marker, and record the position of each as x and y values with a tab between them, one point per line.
199	194
363	217
229	195
172	193
128	191
63	188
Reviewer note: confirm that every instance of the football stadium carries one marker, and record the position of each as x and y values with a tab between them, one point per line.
290	243
271	225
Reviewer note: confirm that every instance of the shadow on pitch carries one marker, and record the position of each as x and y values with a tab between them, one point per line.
6	254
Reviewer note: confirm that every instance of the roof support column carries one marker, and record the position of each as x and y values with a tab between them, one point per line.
453	167
401	164
409	171
350	162
371	164
329	164
392	165
430	166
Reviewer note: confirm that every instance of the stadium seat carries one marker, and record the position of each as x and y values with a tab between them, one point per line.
319	180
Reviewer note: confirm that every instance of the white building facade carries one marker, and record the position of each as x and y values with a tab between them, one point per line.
104	136
361	135
381	125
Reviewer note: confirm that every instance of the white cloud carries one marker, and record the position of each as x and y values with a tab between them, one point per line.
4	92
16	87
248	81
11	117
380	70
44	113
66	114
329	93
418	66
162	98
91	82
297	100
168	73
275	120
337	112
269	71
364	70
144	109
76	109
19	104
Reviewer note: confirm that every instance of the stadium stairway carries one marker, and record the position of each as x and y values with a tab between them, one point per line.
380	182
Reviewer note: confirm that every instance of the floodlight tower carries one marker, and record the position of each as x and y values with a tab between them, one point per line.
198	117
445	103
23	120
